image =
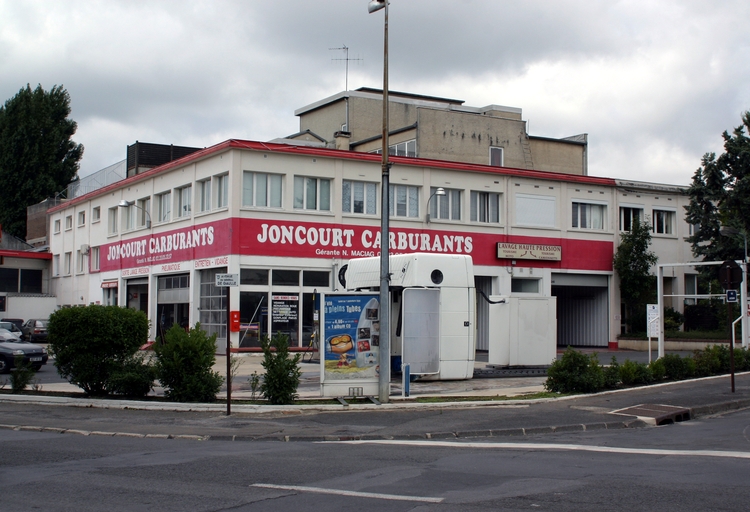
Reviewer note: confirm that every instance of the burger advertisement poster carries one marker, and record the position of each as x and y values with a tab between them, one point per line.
351	332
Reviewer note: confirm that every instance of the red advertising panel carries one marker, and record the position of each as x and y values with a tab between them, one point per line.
290	239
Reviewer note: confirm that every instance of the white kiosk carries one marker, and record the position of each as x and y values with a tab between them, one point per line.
432	311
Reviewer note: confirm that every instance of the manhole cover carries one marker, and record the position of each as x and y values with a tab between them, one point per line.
656	414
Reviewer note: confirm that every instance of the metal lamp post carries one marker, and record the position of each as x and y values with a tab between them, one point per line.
384	378
439	192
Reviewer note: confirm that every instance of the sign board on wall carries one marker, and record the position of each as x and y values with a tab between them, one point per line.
350	342
529	251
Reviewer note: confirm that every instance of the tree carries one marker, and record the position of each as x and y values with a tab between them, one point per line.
37	156
633	262
720	196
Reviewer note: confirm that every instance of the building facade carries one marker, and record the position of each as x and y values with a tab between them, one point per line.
287	217
438	128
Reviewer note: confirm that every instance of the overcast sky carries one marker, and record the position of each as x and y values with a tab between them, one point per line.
653	83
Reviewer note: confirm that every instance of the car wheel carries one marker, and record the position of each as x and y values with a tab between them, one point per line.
36	367
4	368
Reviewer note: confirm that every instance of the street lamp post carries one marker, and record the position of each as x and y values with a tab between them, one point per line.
127	204
384	378
439	192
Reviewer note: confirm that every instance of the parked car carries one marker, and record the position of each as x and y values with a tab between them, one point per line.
17	321
35	329
32	354
10	326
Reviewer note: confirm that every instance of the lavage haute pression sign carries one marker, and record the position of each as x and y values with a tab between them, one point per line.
264	237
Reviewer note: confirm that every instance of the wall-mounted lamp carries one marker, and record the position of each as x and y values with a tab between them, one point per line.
439	192
127	204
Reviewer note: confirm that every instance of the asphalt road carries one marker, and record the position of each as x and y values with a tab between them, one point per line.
693	466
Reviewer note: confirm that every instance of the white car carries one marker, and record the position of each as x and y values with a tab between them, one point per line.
12	328
6	335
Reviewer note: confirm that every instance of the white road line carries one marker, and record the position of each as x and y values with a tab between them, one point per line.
340	492
561	447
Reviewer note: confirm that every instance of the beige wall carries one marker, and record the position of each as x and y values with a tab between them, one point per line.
554	156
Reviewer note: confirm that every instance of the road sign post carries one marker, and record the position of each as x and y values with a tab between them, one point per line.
730	275
227	281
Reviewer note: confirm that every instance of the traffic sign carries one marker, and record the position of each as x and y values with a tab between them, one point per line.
731	295
227	280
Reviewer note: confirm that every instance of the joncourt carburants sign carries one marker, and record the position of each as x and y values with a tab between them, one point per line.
264	237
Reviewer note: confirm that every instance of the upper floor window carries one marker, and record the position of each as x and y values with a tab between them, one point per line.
447	206
56	265
629	216
312	193
184	200
128	217
80	259
535	210
222	191
496	156
406	148
144	211
57	226
112	220
66	263
81	218
68	222
589	216
485	206
663	222
204	195
359	197
261	189
404	201
94	258
96	214
164	206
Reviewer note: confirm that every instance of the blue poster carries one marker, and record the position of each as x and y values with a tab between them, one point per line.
351	330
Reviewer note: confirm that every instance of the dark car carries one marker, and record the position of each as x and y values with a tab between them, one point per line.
35	329
32	354
17	321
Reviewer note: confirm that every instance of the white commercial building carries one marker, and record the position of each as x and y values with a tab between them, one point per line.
286	218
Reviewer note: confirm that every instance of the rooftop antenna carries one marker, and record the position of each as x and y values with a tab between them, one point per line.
346	83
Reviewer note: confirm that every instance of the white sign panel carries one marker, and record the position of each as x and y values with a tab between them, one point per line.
652	319
225	280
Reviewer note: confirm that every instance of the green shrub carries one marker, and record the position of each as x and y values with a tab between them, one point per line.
281	379
184	365
575	372
612	374
635	374
710	361
741	360
673	319
20	375
135	378
91	343
658	370
678	368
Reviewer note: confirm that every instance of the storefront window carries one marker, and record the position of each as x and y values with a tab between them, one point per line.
253	317
285	277
213	305
254	276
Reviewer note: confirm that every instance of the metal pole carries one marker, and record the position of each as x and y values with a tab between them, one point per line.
660	301
229	362
384	378
731	342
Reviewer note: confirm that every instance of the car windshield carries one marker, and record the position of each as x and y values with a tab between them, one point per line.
9	326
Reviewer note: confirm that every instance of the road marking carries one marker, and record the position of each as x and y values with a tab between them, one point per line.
340	492
560	447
